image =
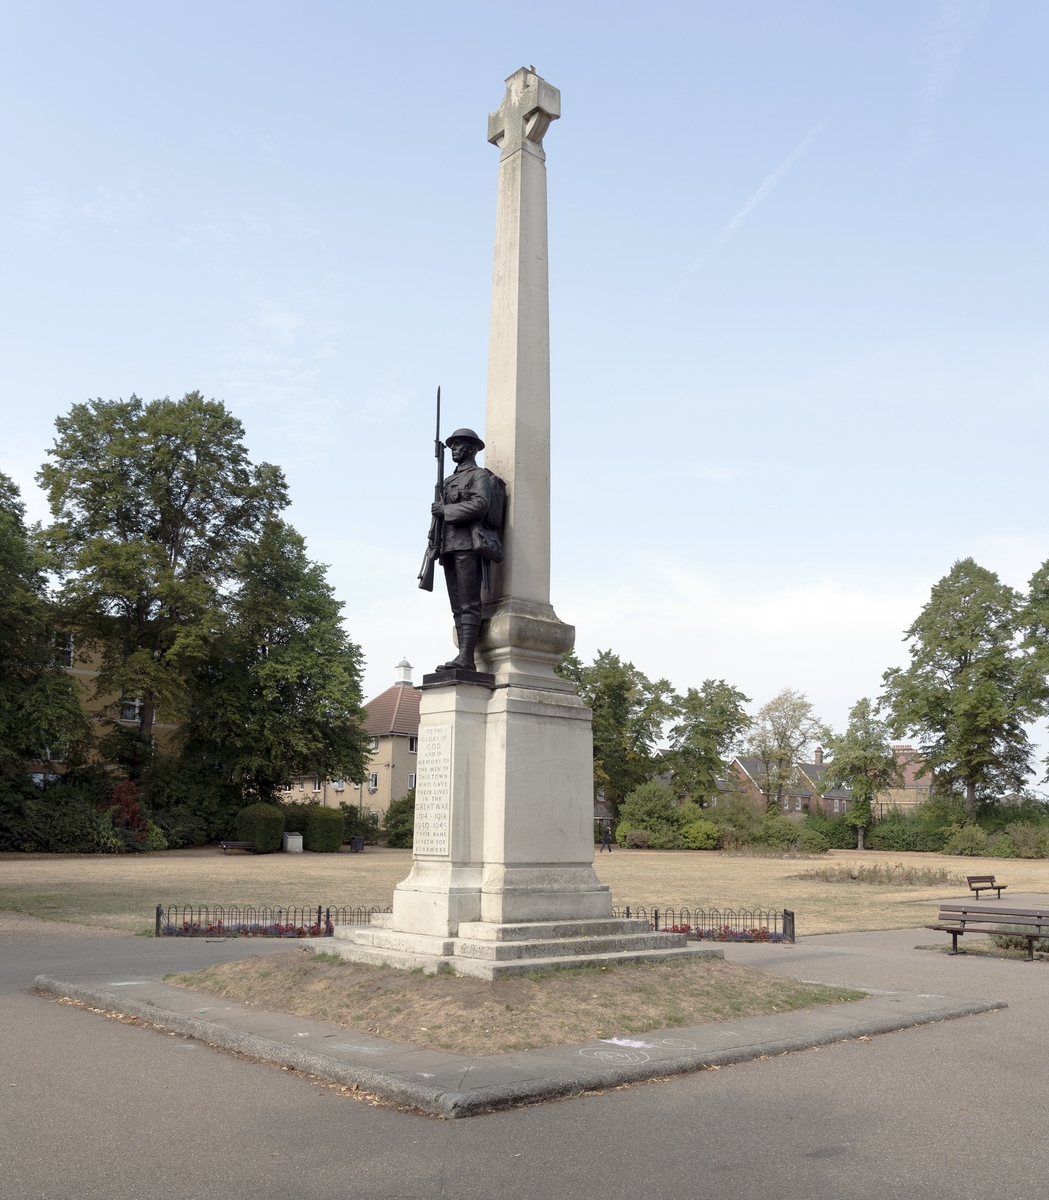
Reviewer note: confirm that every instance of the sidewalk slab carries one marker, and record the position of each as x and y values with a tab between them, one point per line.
455	1085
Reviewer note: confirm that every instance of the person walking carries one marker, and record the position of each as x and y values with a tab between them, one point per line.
606	840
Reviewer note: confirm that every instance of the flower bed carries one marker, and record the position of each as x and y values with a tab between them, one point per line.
727	934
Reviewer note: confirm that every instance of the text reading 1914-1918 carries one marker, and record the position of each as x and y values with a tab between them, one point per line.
433	789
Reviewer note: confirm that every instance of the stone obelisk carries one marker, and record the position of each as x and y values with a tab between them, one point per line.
538	811
502	878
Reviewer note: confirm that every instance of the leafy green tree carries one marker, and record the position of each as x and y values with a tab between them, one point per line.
399	822
710	723
152	502
41	718
630	711
279	692
971	685
863	761
781	734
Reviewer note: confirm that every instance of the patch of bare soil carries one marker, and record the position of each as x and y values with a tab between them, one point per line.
472	1016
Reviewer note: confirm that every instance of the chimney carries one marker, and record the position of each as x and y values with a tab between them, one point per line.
404	673
819	756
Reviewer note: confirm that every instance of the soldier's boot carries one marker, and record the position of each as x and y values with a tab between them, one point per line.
467	642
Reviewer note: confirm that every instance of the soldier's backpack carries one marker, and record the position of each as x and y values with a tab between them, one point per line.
496	514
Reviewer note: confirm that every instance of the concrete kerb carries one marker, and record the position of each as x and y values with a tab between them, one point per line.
556	1071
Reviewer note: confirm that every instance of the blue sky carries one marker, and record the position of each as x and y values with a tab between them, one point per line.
798	301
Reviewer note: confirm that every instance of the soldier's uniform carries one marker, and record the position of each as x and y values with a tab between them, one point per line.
467	496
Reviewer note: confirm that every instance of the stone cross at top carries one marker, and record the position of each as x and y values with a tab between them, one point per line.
528	107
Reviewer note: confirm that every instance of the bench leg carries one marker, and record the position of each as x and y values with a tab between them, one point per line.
954	944
1030	949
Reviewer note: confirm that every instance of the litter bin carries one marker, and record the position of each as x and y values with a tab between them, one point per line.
293	843
357	844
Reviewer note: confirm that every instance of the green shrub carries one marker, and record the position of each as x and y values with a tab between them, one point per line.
811	841
62	820
837	831
359	824
262	824
399	822
1006	940
1000	845
899	832
738	819
296	816
181	826
1029	841
638	839
155	839
779	832
969	841
700	835
324	830
622	829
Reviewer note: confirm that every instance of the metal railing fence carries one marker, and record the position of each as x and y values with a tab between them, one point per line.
714	924
235	920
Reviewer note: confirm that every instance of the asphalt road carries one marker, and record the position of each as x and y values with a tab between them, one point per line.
94	1110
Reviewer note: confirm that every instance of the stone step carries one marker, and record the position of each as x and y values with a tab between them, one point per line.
535	931
392	939
568	947
503	970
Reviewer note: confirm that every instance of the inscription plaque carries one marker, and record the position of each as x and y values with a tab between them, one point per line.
433	790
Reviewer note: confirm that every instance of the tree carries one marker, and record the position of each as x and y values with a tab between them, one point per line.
279	691
864	763
629	713
710	722
971	685
398	822
152	503
41	718
782	732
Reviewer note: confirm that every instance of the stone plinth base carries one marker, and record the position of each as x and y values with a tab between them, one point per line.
495	951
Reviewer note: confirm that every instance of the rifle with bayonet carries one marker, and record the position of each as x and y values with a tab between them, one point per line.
436	534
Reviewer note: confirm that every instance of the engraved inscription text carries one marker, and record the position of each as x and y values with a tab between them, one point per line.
433	789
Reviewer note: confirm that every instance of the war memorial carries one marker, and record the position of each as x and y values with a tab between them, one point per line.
502	880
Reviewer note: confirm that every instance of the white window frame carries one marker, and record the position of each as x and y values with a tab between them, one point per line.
411	781
413	745
132	707
373	744
837	804
373	782
339	785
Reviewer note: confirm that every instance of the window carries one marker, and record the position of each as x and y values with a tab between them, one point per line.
411	781
373	782
302	785
316	784
373	744
413	745
786	804
797	804
131	710
64	649
844	805
339	784
836	805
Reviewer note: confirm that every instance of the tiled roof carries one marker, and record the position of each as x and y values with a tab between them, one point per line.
814	772
395	711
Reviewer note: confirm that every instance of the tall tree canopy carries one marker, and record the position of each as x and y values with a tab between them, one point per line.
864	762
782	732
971	685
279	691
152	503
710	721
630	711
41	718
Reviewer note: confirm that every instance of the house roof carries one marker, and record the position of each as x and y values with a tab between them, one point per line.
394	711
813	773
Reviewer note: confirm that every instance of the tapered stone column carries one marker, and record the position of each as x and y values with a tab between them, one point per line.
538	811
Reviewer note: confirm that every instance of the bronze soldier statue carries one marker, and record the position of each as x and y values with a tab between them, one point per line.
465	538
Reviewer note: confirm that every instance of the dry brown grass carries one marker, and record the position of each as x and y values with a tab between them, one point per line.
121	891
473	1016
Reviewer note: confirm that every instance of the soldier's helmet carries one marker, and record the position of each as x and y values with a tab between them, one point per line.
462	435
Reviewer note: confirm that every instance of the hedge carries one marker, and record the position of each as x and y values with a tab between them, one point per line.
324	829
262	824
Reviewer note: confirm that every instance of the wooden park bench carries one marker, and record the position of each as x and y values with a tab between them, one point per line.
985	883
959	919
228	846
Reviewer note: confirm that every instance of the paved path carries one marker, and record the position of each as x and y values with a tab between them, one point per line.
100	1110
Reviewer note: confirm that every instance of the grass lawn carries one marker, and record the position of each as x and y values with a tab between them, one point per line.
122	891
474	1016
